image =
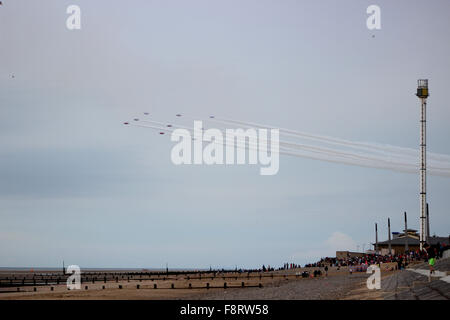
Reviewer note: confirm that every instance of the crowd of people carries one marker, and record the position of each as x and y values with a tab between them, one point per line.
402	259
287	266
358	262
367	259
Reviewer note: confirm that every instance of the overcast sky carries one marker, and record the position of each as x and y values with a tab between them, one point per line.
75	184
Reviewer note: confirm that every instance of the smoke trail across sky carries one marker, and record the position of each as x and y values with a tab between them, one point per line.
372	147
325	148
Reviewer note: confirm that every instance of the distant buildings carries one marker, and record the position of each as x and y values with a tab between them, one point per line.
348	254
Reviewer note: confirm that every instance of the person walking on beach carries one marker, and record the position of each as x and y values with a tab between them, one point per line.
431	258
326	271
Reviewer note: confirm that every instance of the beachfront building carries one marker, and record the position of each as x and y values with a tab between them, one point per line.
411	238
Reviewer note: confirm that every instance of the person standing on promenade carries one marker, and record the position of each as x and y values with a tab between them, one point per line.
431	258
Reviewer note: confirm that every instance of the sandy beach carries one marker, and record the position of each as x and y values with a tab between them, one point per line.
274	285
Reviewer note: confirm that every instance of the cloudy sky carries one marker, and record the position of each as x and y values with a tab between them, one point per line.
77	185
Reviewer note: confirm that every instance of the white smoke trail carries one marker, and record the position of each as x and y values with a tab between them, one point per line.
371	147
289	145
389	158
316	154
